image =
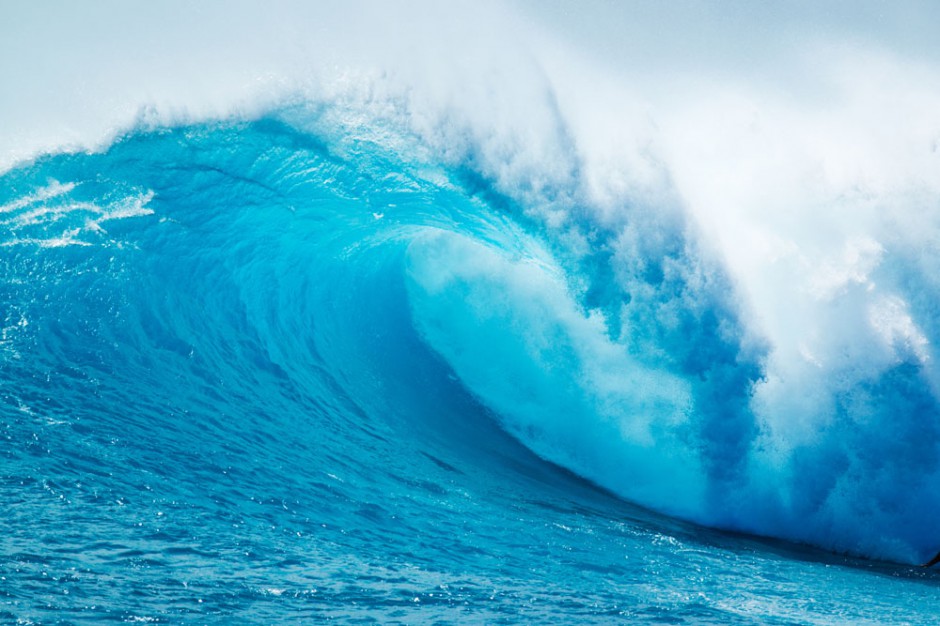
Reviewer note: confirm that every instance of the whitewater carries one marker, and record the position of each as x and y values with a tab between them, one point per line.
501	312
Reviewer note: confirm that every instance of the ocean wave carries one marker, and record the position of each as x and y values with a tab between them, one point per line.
231	259
415	302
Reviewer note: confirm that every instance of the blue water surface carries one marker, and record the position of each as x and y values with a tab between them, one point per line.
256	374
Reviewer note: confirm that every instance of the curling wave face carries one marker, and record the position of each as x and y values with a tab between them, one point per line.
231	285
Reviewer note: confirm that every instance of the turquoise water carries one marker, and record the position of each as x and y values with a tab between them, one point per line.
267	371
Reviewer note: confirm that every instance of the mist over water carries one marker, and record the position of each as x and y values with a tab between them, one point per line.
686	254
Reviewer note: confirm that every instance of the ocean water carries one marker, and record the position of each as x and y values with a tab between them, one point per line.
453	326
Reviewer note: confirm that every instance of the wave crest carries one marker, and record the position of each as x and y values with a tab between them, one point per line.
263	271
